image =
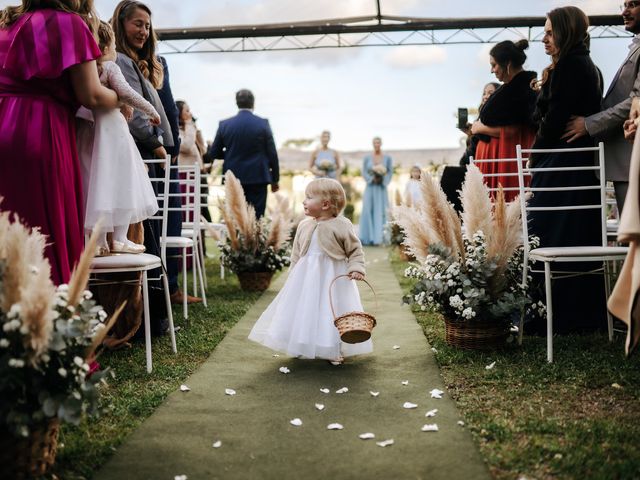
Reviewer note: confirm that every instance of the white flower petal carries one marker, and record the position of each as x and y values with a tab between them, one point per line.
184	388
342	390
405	382
430	427
490	366
325	390
434	349
461	423
366	436
431	413
296	422
436	393
616	385
217	444
334	426
409	405
275	355
284	370
385	443
374	394
180	477
396	347
319	406
229	391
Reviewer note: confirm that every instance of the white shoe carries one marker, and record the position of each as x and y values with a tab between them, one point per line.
127	247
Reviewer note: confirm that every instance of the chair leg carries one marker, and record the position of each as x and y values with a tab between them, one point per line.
200	267
185	280
607	291
194	268
521	327
167	298
147	321
201	253
549	300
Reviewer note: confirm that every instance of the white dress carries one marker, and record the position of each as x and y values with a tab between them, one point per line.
116	183
299	321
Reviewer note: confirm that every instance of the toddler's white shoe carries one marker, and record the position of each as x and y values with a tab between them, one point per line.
127	247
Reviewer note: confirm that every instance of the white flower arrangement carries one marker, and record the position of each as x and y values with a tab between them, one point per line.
379	170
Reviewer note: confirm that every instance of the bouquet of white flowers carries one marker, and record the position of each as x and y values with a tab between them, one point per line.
326	166
378	172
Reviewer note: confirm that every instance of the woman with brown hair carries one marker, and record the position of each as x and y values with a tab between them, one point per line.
505	118
136	45
570	85
47	70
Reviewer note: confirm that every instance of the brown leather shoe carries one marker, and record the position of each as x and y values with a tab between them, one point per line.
177	298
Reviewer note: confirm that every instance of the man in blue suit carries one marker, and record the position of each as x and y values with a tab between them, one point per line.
245	142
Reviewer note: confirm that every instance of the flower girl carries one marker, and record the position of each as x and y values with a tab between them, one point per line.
299	321
117	187
412	191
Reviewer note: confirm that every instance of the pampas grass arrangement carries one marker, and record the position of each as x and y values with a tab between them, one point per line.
471	276
49	335
254	245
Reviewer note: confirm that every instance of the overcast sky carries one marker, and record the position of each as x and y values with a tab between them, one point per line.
408	95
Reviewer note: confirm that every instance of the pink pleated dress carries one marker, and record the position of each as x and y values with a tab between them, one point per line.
39	169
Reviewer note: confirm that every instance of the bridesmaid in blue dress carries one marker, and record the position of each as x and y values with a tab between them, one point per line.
377	170
325	162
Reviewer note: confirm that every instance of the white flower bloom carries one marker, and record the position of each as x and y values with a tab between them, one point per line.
62	372
87	294
16	363
24	329
14	311
4	343
63	287
78	361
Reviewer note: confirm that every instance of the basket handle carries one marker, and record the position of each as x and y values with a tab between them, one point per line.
333	312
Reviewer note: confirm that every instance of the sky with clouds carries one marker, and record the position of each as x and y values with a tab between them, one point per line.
408	95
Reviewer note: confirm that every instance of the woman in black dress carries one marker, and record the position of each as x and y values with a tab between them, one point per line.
571	85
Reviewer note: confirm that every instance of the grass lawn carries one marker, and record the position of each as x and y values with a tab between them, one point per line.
133	395
576	418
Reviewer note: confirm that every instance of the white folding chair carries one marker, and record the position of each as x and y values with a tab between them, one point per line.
513	174
551	255
143	262
190	209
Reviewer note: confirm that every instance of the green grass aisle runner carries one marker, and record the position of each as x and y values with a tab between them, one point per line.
258	440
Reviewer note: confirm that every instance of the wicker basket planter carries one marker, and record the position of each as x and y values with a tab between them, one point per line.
22	458
476	335
255	281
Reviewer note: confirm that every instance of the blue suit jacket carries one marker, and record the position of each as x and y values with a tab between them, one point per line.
245	142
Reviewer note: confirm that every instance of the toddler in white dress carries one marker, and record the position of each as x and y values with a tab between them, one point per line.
412	191
299	321
117	187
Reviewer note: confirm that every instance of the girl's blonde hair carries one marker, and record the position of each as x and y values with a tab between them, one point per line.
105	35
330	190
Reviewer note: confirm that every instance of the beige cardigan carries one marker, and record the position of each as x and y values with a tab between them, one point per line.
336	238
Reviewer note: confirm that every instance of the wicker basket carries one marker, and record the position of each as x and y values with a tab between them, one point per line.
476	335
255	281
22	458
354	327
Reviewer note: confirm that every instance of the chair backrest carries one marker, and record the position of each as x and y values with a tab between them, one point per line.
159	175
187	193
596	167
488	167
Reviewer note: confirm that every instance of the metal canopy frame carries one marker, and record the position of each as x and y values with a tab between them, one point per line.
374	30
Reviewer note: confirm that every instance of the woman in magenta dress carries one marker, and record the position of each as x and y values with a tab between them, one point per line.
47	70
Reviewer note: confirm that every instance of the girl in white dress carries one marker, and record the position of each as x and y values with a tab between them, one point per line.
299	321
117	187
412	189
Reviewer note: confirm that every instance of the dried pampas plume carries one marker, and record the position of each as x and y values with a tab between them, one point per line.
437	212
476	203
417	231
80	275
26	281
